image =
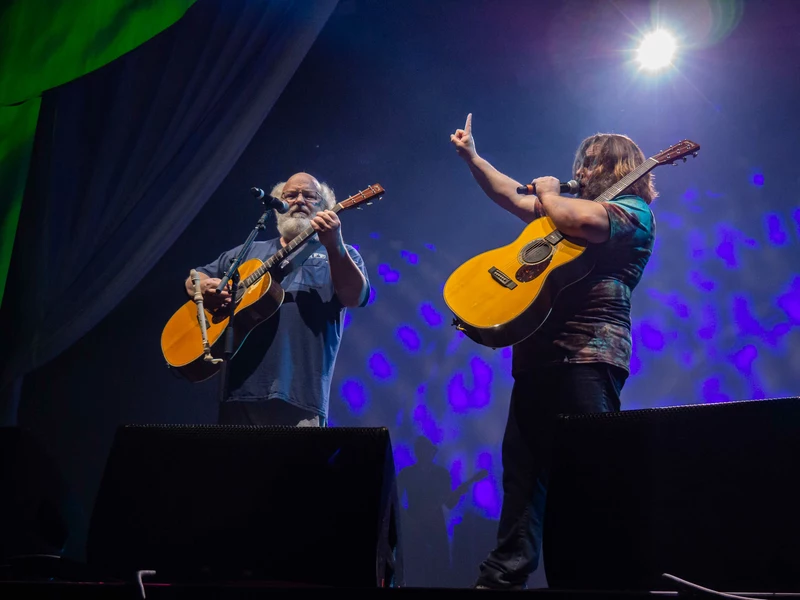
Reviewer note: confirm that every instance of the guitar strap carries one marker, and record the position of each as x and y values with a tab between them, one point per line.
286	266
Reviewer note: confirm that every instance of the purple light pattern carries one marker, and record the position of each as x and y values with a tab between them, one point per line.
700	335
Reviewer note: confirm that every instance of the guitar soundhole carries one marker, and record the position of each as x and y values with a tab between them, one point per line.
534	258
536	252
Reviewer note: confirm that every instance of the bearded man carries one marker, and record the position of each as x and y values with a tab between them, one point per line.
282	373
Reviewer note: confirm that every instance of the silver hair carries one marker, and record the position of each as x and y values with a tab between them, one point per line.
328	197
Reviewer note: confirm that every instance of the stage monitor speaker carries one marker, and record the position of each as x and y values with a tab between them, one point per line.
707	493
33	497
219	503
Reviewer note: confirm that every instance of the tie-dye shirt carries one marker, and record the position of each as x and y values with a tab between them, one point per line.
591	319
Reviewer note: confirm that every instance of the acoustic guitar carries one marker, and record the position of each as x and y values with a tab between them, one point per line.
194	332
500	297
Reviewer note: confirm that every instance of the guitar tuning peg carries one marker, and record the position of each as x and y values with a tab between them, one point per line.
694	154
369	203
684	159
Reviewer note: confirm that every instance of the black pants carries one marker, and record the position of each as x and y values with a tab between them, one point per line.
536	400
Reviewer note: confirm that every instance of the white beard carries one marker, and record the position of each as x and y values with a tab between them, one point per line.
290	225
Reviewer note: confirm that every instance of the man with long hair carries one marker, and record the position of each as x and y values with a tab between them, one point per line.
579	359
282	374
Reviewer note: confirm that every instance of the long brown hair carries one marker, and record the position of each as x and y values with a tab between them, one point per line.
616	156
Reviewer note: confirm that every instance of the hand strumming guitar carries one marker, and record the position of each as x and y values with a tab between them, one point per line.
208	287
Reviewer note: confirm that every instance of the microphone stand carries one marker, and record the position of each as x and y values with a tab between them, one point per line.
232	275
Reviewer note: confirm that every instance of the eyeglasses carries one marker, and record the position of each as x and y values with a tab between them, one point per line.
307	195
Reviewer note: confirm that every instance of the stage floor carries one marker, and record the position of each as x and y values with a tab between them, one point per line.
115	591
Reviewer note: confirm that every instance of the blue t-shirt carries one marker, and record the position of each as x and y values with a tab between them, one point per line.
291	355
591	319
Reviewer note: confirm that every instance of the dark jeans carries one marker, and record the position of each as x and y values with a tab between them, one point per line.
536	400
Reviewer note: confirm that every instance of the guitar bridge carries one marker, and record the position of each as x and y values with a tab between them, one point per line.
502	278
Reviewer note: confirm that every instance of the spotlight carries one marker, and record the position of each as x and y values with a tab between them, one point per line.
656	50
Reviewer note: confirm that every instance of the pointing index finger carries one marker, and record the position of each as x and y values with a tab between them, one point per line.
468	124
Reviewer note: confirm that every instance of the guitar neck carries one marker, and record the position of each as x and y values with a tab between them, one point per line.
614	191
364	196
629	179
281	254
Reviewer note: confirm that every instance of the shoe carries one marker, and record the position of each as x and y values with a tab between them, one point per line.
478	586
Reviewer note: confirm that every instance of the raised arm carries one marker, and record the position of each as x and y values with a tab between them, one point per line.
500	188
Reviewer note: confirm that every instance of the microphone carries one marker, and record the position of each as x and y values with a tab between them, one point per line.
276	203
570	187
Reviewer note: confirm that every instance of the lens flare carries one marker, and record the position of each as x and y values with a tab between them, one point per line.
656	50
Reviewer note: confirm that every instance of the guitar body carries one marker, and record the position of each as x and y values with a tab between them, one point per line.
181	339
502	296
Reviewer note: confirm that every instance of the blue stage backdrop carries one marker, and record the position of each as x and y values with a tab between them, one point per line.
715	317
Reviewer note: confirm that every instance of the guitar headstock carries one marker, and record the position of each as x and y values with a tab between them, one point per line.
365	196
677	151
